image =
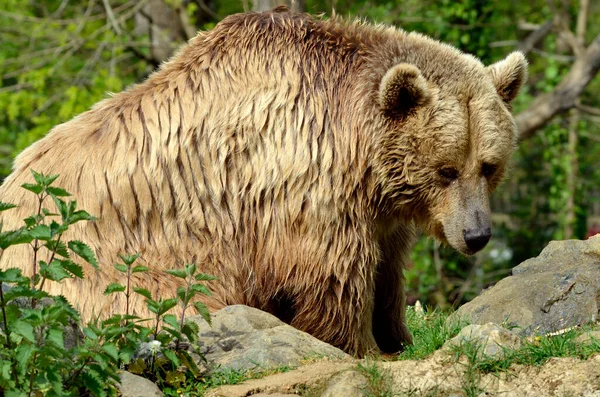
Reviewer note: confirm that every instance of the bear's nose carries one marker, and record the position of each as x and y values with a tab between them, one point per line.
476	239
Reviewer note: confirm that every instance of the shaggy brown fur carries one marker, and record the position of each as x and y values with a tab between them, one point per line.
291	157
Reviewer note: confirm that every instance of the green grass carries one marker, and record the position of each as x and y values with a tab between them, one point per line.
379	383
429	331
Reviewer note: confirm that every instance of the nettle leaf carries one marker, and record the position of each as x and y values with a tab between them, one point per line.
77	216
201	289
144	292
56	336
57	191
170	354
31	221
6	206
181	292
171	320
14	237
203	311
37	189
40	232
23	292
54	271
120	267
93	383
11	275
205	277
190	268
168	304
90	333
111	350
177	273
114	287
84	251
129	259
24	329
23	353
190	329
73	268
59	247
139	269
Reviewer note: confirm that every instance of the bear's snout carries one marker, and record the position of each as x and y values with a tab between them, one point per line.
477	238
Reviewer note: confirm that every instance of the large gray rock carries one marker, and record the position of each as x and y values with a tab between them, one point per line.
244	338
556	290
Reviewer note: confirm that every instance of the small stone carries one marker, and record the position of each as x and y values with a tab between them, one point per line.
136	386
492	339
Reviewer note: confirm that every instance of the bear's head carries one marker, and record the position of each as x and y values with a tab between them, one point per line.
448	136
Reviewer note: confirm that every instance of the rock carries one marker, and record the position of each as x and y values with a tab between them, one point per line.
347	384
136	386
308	380
491	338
589	337
556	290
244	338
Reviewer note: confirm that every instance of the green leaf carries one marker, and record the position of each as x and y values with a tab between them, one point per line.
56	336
140	269
23	353
181	294
24	329
204	277
6	206
56	191
203	311
170	354
59	246
129	259
201	289
114	287
93	384
191	329
78	216
90	333
190	268
144	292
37	189
120	267
84	251
73	268
40	232
11	275
14	237
111	350
177	273
171	320
54	271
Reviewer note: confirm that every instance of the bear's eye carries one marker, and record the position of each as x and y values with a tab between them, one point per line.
488	170
448	173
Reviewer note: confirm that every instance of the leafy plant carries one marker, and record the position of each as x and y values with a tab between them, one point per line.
43	348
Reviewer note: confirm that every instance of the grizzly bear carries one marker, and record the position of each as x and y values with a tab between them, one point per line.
292	157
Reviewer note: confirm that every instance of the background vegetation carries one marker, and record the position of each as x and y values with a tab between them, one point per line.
59	57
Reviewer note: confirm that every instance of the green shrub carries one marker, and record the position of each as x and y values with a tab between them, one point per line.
35	359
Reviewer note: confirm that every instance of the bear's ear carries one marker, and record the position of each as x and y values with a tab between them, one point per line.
402	90
509	75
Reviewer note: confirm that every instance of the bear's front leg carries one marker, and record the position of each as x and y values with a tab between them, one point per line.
337	305
389	316
345	322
